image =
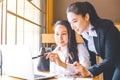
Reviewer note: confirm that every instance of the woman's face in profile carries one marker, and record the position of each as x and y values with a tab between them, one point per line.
61	35
78	22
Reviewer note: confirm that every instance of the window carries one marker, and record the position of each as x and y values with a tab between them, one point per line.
22	22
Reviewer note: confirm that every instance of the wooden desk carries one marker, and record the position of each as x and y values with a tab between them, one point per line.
8	78
13	78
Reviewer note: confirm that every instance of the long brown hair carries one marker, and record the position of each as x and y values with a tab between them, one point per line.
82	8
72	43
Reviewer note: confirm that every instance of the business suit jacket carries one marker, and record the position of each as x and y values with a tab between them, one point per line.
107	44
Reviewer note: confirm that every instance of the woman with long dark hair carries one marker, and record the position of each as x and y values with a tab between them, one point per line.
101	37
67	50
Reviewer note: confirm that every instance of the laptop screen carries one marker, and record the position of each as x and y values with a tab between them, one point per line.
17	61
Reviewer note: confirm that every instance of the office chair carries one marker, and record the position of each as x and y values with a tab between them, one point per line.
43	63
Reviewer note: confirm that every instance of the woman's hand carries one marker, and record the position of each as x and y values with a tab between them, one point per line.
80	70
55	58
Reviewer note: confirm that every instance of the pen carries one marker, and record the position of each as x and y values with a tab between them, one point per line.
37	56
42	51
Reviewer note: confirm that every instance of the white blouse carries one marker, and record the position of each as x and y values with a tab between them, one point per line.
83	59
89	38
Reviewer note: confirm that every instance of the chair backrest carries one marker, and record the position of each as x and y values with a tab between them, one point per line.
117	24
49	38
43	64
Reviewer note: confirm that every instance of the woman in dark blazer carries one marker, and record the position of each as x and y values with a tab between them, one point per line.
101	37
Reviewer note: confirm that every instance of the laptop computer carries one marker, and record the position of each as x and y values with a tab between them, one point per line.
17	62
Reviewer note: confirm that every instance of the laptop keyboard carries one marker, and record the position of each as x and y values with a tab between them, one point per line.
38	76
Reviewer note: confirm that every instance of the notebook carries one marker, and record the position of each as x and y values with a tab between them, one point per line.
17	62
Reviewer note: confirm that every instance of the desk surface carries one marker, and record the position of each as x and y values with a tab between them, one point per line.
13	78
5	77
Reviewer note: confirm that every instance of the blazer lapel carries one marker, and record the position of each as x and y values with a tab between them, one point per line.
97	44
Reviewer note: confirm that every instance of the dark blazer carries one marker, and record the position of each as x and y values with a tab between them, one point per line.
107	44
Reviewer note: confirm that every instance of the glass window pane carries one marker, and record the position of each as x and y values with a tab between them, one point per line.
11	21
28	33
29	11
36	14
36	2
20	7
20	31
11	5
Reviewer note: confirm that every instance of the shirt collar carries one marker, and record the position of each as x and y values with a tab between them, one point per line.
58	49
91	31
